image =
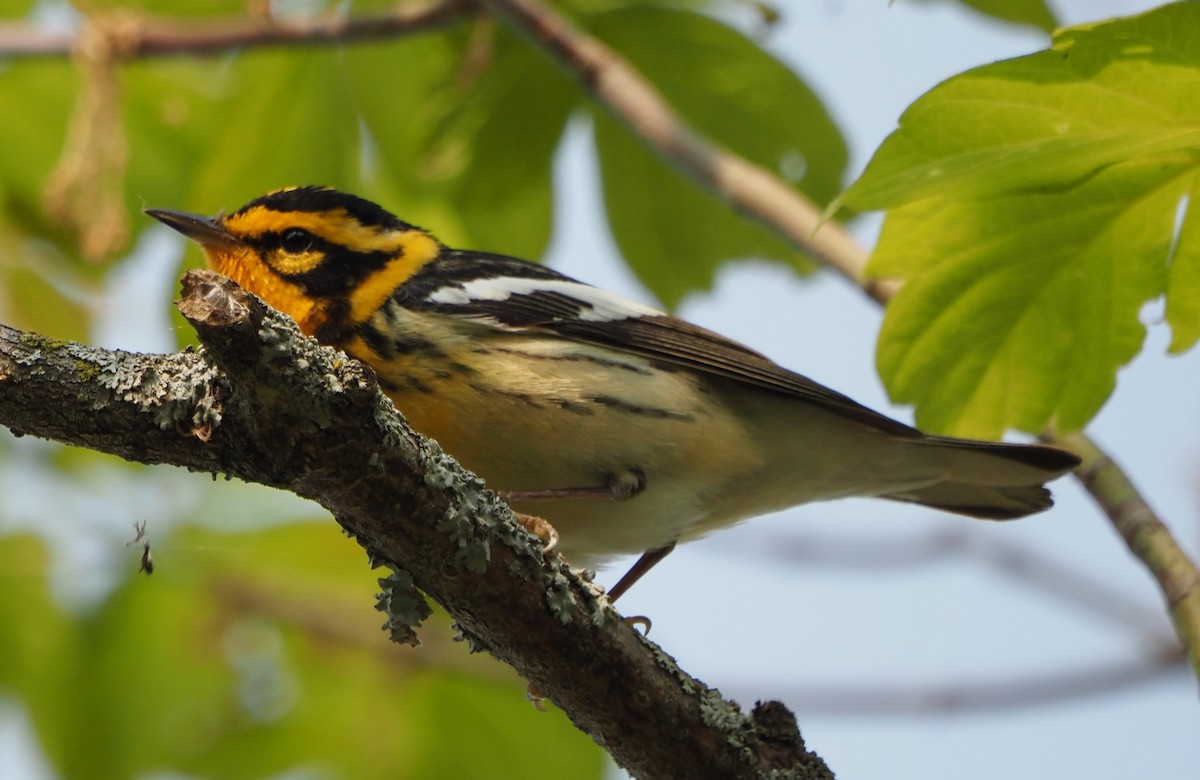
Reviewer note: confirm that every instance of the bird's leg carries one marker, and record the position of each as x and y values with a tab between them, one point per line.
623	485
620	486
644	564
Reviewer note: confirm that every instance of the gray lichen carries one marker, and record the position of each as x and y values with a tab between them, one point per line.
185	398
474	643
726	717
560	597
404	606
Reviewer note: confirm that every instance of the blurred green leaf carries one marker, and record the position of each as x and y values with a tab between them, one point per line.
30	302
176	121
288	121
39	94
36	276
1035	206
402	116
1031	12
510	130
246	655
40	642
521	742
13	9
180	8
673	234
446	134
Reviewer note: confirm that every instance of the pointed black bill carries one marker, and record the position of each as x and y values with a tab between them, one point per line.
205	231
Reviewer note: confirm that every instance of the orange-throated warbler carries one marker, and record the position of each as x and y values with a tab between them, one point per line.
564	397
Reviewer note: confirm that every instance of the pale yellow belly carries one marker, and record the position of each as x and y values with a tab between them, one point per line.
527	416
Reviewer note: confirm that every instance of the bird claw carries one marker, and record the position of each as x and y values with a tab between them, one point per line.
639	620
539	527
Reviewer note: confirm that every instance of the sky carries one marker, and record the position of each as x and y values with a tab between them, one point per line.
867	617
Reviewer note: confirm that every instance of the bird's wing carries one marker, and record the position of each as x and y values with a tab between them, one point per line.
518	296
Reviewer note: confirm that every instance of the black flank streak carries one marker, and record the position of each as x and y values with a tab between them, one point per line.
647	411
571	406
524	398
390	345
583	358
380	343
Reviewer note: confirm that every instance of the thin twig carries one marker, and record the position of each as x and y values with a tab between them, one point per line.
955	542
1029	691
146	37
751	189
1145	535
759	193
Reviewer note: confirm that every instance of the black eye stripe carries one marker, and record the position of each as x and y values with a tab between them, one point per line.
341	269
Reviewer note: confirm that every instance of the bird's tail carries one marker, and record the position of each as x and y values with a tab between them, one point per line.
988	480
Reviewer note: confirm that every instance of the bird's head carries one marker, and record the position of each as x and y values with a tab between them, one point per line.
326	258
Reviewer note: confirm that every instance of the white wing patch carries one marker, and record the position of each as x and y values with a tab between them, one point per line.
595	305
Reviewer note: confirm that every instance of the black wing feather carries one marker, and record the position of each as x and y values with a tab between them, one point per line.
662	338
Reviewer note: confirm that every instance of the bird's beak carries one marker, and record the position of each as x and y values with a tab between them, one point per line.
205	231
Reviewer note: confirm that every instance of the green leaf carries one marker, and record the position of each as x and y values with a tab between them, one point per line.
11	9
1020	309
1036	205
1183	282
41	93
467	140
176	114
1104	93
521	742
28	300
178	8
1031	12
673	234
288	120
39	641
252	654
511	127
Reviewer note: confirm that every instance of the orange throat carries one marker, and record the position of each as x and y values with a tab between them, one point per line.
244	267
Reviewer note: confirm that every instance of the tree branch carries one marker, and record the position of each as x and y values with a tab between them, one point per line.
751	189
266	405
759	193
140	36
1146	536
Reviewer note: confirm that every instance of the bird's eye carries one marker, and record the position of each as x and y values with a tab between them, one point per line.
296	241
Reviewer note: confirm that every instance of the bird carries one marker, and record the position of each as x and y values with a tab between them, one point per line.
609	426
